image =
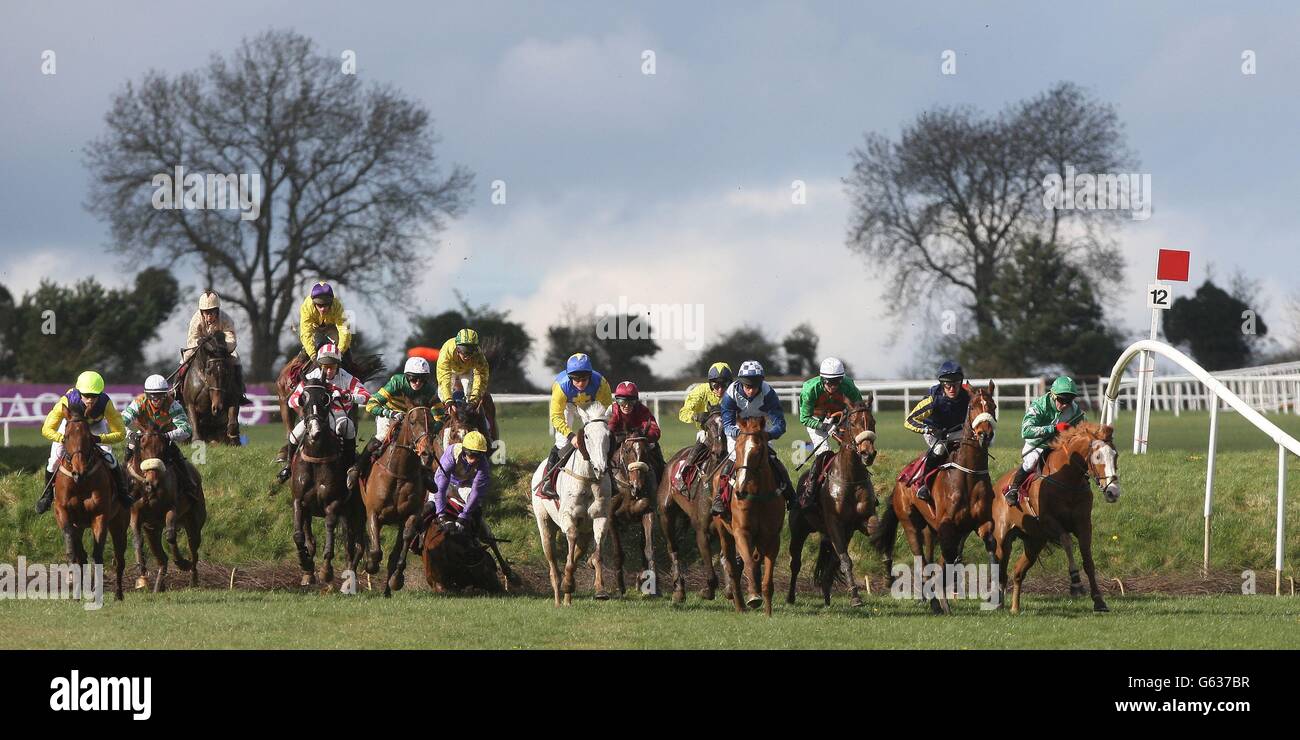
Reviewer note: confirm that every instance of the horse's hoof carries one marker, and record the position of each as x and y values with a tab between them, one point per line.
141	583
855	602
790	599
753	601
307	579
117	596
707	594
1077	589
568	600
679	597
602	596
388	593
396	582
1100	606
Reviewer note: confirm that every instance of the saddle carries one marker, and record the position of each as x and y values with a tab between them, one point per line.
911	473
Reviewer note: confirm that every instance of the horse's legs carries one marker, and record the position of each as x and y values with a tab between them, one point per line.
771	549
648	550
117	530
1085	553
169	530
617	543
917	538
745	546
155	535
667	523
141	581
1076	583
375	552
599	526
701	527
394	561
731	569
1026	561
194	535
301	525
326	573
840	536
546	530
570	562
798	535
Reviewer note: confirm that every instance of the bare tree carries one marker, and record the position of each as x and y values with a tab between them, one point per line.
944	206
350	186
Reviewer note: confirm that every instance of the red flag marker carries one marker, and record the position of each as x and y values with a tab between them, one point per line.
1173	265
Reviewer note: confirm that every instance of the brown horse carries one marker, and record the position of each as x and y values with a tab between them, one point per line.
394	493
1059	503
757	516
320	489
961	499
84	499
364	368
458	561
693	504
636	480
460	420
210	391
844	503
158	509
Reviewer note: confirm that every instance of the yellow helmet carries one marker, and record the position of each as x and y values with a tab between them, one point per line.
90	382
474	442
467	337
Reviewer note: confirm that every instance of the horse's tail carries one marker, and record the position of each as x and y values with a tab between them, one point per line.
883	538
827	571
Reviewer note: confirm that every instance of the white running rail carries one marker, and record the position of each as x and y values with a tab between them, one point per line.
1284	441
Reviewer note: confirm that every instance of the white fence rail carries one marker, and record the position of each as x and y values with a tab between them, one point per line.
1222	393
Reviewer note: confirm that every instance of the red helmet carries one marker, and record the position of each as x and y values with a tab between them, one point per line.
627	389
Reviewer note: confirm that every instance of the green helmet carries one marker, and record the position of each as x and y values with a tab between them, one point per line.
467	337
1064	386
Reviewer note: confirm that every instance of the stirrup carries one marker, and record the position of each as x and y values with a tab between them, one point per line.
923	492
1012	496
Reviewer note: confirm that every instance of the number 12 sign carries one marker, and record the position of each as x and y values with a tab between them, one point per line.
1159	296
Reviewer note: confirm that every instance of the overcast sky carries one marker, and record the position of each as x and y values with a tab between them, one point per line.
675	188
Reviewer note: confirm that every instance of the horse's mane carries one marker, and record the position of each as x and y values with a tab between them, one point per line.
1082	429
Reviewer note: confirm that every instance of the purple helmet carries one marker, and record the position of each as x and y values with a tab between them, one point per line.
322	290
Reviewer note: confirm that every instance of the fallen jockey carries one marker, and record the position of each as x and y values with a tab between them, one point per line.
576	387
631	418
751	396
346	391
939	417
701	401
823	401
157	407
464	472
404	391
97	408
1049	415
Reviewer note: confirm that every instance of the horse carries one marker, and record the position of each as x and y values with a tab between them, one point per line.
461	420
757	516
394	493
693	504
159	509
845	501
210	391
1050	514
635	483
364	368
84	499
320	489
961	500
458	561
583	508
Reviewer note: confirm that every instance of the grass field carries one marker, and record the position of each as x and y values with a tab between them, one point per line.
1152	535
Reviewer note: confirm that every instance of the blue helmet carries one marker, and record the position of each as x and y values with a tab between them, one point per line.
950	370
578	363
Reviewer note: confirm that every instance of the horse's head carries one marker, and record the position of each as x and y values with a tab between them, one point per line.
414	433
634	455
1096	444
714	436
153	445
79	453
859	431
982	415
593	441
751	454
315	405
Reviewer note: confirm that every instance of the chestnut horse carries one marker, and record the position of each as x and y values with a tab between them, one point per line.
693	504
394	493
210	391
84	499
320	489
757	516
635	483
460	420
961	499
844	503
1059	503
158	509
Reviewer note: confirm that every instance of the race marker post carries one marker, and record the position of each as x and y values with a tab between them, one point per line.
1172	265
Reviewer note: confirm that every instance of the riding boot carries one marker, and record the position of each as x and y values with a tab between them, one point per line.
47	497
718	506
559	456
679	478
923	490
367	458
1012	494
783	484
349	454
239	383
288	462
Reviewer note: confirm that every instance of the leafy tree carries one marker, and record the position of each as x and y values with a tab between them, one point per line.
1214	323
747	342
505	343
800	347
8	332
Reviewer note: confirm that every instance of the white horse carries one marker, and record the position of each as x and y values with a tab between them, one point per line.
583	509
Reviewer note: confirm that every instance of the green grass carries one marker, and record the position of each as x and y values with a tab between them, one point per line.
1155	530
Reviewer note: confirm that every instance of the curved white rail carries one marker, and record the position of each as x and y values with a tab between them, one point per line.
1283	440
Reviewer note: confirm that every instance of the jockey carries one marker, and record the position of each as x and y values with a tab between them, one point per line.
822	403
631	418
576	387
462	366
1048	416
939	417
403	392
318	313
156	406
105	424
701	401
346	389
751	396
466	467
210	319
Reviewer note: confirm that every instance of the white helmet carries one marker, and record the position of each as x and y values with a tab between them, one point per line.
328	352
832	368
416	366
155	384
209	301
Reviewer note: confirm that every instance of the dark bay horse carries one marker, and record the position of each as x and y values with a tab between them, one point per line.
636	481
961	499
363	367
757	516
394	493
454	562
1059	504
320	489
693	506
159	509
844	503
84	499
210	391
460	420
